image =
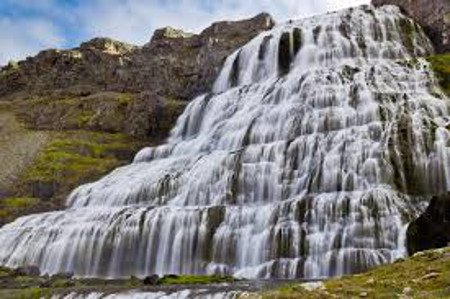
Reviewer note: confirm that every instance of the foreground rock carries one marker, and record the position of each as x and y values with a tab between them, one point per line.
431	229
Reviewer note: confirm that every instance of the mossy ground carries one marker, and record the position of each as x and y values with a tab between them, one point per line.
441	66
425	275
40	168
13	286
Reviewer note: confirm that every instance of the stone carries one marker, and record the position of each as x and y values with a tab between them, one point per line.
313	286
151	280
432	228
27	271
430	276
68	275
168	33
432	15
363	294
407	291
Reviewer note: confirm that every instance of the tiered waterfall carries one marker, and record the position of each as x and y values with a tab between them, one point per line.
321	140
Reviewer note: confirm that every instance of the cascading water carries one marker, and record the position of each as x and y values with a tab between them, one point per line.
322	140
185	294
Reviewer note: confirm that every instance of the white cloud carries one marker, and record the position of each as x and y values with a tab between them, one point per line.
333	5
20	38
134	20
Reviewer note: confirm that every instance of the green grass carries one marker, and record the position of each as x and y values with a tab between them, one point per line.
18	203
75	157
426	274
441	67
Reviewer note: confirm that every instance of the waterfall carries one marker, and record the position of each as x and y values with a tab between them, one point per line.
184	294
322	139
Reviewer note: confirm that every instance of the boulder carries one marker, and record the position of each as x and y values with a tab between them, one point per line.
151	280
27	271
432	228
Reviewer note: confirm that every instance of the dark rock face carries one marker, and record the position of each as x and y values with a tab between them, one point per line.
431	229
27	271
151	280
433	15
174	64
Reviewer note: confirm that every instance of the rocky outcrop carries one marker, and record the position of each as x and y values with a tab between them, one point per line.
431	229
433	15
174	64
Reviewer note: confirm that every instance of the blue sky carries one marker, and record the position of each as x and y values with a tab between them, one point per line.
28	26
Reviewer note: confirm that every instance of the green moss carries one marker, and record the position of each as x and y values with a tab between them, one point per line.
125	99
426	275
172	110
407	30
194	279
31	293
441	66
74	159
20	202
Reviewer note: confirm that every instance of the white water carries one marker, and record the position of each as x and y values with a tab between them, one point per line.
185	294
307	168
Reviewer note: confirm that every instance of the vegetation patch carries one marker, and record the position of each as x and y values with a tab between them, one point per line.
425	275
76	157
67	160
15	285
441	67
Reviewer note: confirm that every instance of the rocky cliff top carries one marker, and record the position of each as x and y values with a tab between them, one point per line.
432	15
173	64
170	32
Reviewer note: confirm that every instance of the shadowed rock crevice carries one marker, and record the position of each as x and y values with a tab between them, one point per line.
432	228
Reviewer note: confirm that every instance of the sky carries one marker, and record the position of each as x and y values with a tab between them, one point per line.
28	26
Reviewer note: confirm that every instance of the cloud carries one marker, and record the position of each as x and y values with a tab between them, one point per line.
333	5
32	25
20	38
134	20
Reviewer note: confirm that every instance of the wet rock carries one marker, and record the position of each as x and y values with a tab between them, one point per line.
432	228
151	280
68	275
284	54
27	271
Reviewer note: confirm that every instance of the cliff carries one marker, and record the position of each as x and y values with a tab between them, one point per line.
432	15
174	64
68	117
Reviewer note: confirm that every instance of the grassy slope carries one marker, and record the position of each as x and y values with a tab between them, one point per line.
425	275
58	161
